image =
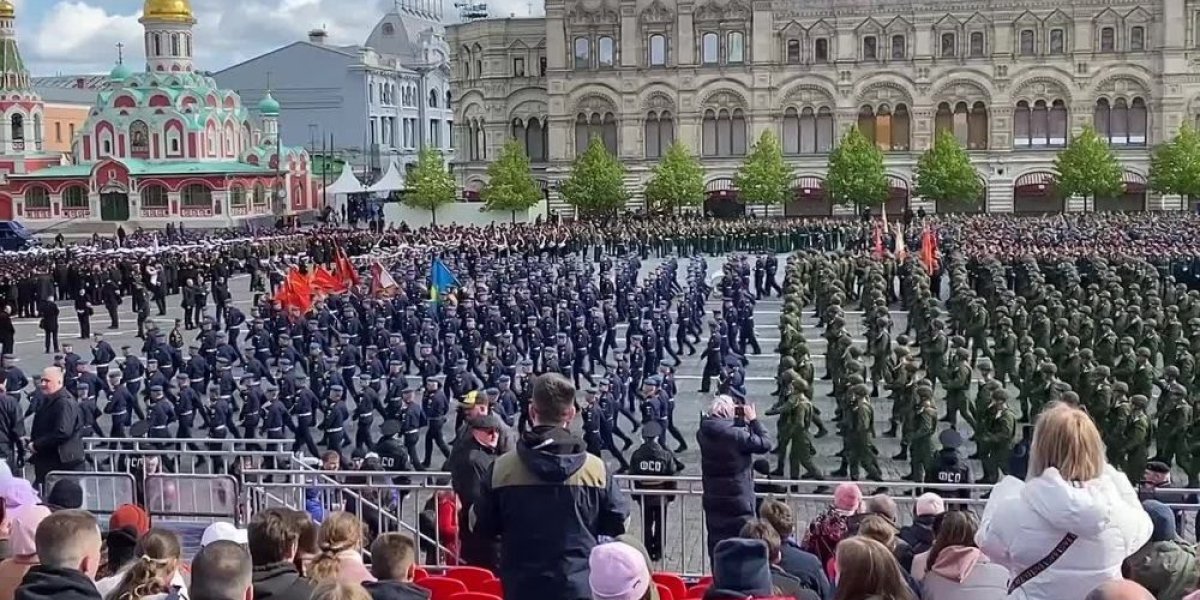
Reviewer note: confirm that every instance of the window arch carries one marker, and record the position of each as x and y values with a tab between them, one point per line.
37	197
710	45
659	133
595	125
821	50
887	127
976	44
724	132
606	52
139	139
196	196
260	195
968	123
1040	124
1028	43
237	196
658	50
433	98
583	53
1137	38
899	47
176	45
870	51
807	130
1108	39
1121	122
536	139
18	127
157	38
75	196
187	45
736	50
154	196
949	45
792	52
1058	43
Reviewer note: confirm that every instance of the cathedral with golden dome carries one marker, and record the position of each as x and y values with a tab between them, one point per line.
165	144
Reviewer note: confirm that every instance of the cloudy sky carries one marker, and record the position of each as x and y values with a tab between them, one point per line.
81	36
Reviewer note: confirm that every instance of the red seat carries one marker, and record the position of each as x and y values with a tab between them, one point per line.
419	574
493	587
697	591
474	596
672	582
664	592
706	580
472	577
442	588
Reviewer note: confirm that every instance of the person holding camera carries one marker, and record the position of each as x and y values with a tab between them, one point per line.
729	436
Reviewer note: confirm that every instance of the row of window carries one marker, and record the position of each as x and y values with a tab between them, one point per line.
152	196
179	43
407	95
518	67
730	47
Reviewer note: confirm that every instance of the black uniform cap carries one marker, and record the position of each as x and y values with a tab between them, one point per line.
390	427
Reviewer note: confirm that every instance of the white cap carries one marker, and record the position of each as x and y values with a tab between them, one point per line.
222	531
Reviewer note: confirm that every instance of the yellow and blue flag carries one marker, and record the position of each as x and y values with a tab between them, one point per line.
441	279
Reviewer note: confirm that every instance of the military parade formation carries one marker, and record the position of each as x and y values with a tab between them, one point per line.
1102	311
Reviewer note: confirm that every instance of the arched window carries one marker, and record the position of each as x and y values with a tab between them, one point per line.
943	119
518	133
821	50
976	44
1058	123
825	127
869	49
658	50
595	125
187	45
608	132
737	48
1138	121
37	197
659	133
37	129
1058	42
18	128
1137	38
793	52
157	44
1028	46
237	196
535	140
866	122
176	45
75	196
791	131
154	196
1108	41
139	139
197	196
1102	117
960	123
433	98
709	133
977	127
709	48
900	128
1041	123
724	133
583	53
949	45
1022	127
260	195
173	142
807	131
899	47
606	51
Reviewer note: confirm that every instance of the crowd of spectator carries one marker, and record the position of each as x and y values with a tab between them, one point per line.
547	516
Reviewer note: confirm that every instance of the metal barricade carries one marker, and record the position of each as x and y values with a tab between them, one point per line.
199	455
396	501
103	493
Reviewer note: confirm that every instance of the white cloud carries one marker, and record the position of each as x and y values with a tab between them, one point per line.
75	34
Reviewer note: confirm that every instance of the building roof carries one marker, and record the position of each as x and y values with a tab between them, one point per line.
144	168
89	81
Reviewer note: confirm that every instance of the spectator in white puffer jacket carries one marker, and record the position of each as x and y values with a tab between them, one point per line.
1069	491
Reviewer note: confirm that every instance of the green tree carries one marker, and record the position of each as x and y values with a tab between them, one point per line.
764	178
1087	167
678	181
1175	165
596	186
430	184
510	184
856	175
945	175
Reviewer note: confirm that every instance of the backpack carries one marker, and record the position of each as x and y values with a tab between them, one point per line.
823	535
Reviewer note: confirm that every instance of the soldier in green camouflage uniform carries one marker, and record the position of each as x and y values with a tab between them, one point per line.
860	441
1174	418
920	440
1134	442
801	415
958	381
998	430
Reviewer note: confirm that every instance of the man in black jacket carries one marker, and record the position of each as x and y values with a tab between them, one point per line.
273	542
49	323
469	463
68	548
56	435
7	331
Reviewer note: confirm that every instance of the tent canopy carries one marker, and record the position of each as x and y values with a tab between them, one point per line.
346	183
392	181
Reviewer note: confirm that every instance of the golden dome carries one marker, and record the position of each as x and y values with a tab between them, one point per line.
7	10
179	11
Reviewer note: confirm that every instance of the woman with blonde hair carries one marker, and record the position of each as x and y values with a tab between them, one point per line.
1074	519
153	574
339	590
876	574
340	541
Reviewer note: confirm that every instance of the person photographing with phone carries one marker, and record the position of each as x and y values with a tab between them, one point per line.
729	436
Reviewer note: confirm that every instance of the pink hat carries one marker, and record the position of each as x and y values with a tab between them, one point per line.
847	497
618	572
930	503
25	521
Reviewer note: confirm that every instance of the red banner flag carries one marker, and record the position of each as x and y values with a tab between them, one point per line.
296	292
344	269
928	250
324	282
879	243
382	281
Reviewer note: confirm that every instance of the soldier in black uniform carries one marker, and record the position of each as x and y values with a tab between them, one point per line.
652	459
436	407
12	430
83	310
218	420
411	422
393	456
949	466
302	411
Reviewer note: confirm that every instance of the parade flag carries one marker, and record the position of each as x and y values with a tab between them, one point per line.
382	282
878	242
296	292
901	243
928	250
324	282
345	269
440	280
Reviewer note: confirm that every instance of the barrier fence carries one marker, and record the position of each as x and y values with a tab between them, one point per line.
408	502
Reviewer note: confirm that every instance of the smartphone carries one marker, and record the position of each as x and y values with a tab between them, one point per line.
739	411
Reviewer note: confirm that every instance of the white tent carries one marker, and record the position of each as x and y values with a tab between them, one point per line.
392	181
346	184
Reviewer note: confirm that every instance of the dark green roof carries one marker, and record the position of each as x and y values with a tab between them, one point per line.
142	168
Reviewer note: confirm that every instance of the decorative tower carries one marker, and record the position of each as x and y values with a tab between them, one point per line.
22	132
168	25
269	109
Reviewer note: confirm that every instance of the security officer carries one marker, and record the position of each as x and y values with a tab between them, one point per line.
436	407
652	459
949	466
393	456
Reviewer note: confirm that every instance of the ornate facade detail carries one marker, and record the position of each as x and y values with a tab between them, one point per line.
582	15
724	99
657	13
